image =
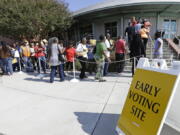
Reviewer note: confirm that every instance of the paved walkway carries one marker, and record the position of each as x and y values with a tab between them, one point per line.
30	106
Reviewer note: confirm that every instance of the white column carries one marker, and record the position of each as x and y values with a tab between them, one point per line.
122	26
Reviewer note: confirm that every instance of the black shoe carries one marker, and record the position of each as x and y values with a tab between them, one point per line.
90	73
96	78
81	77
62	80
102	80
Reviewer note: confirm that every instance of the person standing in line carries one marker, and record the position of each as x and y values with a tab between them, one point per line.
144	32
32	57
26	53
158	45
100	57
81	52
1	64
62	48
120	54
137	51
40	55
138	27
133	21
45	42
6	57
53	60
130	32
70	56
16	54
109	49
91	60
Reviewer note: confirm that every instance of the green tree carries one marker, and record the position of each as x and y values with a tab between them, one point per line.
32	18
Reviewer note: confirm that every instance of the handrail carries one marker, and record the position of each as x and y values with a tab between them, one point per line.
151	45
173	45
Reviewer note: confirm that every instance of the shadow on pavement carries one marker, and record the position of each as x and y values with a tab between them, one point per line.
46	77
36	80
105	124
97	124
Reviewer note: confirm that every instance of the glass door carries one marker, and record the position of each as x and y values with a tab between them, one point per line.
170	27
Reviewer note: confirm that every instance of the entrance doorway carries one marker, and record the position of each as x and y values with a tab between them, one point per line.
170	28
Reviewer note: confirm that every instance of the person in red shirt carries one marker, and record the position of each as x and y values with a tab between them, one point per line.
40	55
120	51
70	56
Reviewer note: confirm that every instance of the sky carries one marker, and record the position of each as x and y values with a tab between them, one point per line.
78	4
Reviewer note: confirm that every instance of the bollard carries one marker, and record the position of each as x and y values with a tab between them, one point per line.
1	79
134	64
20	68
74	80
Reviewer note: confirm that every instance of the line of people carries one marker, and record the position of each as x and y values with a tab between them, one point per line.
42	55
22	56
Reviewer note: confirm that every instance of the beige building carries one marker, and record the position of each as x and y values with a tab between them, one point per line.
112	16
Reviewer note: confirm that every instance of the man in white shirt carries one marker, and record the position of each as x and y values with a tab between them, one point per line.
82	51
109	48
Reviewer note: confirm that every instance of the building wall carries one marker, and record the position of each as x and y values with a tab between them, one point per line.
98	29
122	23
157	21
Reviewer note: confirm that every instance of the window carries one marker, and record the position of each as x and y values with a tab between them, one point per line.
86	31
111	28
170	28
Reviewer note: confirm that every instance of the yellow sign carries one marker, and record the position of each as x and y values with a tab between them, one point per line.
93	42
14	61
146	102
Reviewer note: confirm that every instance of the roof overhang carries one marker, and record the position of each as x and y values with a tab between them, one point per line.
171	6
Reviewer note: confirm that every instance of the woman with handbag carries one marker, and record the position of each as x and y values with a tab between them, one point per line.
54	60
6	57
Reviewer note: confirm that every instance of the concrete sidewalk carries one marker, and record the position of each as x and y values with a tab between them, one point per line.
30	106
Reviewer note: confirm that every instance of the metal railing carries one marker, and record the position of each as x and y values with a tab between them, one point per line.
151	47
173	46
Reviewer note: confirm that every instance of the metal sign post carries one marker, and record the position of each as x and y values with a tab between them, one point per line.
20	67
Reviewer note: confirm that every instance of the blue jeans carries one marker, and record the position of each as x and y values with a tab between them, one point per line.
42	61
27	62
106	66
53	72
1	65
7	65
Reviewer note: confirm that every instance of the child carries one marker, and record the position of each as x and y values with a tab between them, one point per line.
158	45
70	55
